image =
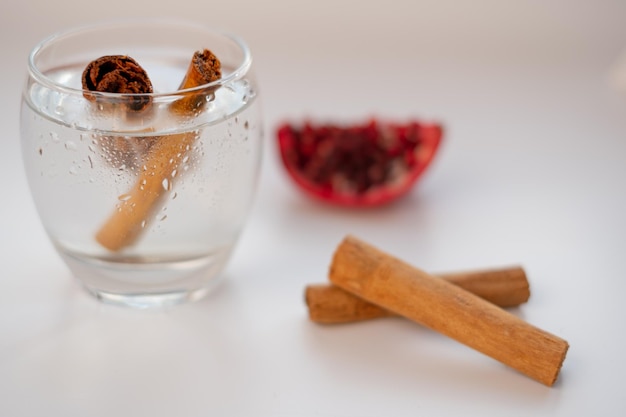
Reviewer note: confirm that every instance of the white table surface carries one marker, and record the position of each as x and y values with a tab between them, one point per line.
532	172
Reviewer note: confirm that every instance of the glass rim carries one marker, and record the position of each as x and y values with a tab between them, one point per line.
41	78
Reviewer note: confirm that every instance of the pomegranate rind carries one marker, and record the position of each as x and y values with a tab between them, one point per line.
428	142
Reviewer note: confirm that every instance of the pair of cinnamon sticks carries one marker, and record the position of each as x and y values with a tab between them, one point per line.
122	74
368	283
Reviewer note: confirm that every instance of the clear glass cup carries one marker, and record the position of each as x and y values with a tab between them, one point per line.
145	208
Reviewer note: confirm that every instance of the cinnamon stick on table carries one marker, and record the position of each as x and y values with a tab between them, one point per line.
379	278
133	214
329	304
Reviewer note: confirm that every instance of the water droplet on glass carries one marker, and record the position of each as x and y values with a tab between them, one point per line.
246	125
244	99
167	185
174	172
163	217
70	146
59	110
54	136
73	170
174	195
143	224
124	197
40	150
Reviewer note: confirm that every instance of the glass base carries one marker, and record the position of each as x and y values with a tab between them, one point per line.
148	284
149	301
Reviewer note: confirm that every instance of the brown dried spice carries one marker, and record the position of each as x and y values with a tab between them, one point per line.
204	68
118	74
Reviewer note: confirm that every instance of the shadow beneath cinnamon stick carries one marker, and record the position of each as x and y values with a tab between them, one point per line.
517	311
402	358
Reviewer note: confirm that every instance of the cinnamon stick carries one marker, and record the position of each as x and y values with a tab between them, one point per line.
329	304
123	75
384	280
117	74
133	214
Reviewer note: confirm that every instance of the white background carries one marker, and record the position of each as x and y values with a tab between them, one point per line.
532	171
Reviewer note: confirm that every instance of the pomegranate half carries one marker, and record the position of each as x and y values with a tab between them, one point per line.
367	164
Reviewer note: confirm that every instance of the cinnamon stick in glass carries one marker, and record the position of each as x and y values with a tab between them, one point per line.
388	282
119	74
504	287
134	213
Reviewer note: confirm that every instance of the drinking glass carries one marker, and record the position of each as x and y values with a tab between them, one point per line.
144	207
